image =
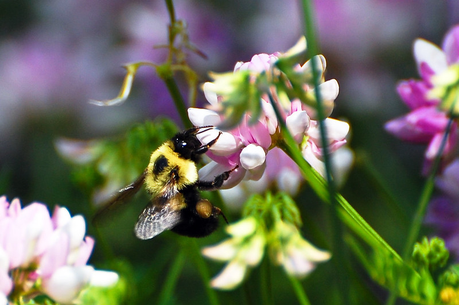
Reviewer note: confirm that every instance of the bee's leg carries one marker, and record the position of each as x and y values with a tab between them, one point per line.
203	149
216	183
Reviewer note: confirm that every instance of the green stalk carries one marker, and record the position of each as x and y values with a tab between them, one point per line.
165	72
172	276
339	253
204	271
422	204
299	291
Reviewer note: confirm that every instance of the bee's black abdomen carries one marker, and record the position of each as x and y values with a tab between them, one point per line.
191	224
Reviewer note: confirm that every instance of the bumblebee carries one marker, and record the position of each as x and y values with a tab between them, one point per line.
172	180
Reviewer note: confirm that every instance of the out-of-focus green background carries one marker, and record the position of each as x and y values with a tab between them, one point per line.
56	55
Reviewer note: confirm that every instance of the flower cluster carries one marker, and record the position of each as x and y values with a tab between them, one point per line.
40	254
427	121
254	133
245	249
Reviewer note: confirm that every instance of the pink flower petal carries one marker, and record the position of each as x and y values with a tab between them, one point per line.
451	45
413	93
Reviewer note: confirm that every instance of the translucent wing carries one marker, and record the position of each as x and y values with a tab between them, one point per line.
120	197
160	215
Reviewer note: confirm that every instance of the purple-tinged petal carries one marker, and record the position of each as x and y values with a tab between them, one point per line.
448	182
426	52
311	157
428	119
61	216
84	251
56	254
15	208
297	124
451	45
413	93
6	285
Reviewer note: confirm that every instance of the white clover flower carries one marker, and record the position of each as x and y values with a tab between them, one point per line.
296	255
243	250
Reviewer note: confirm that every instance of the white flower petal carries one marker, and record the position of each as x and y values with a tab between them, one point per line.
209	93
252	156
3	299
242	228
336	130
425	51
102	278
213	169
66	283
225	145
203	117
230	277
61	217
76	229
254	251
224	251
4	260
342	160
297	124
316	163
329	90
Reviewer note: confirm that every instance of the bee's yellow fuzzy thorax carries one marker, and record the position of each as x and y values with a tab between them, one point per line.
187	172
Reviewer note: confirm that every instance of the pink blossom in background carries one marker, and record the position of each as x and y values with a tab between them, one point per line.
36	248
425	123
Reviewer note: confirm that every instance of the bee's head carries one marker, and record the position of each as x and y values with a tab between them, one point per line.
186	144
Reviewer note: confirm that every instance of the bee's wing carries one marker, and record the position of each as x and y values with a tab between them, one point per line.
120	197
160	215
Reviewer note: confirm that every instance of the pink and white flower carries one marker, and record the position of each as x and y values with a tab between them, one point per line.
426	123
44	254
247	145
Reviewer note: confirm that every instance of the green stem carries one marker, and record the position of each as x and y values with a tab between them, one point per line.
204	271
299	291
173	274
165	72
422	204
339	253
266	289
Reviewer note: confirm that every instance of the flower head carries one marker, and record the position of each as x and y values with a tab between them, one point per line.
244	249
293	252
43	254
429	105
242	105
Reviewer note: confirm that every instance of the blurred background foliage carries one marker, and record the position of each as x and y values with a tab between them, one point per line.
55	56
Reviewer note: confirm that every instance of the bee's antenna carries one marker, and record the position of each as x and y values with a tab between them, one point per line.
224	217
204	128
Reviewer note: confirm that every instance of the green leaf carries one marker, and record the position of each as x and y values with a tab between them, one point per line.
396	275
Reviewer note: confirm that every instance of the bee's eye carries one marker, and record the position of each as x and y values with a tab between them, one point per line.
160	164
